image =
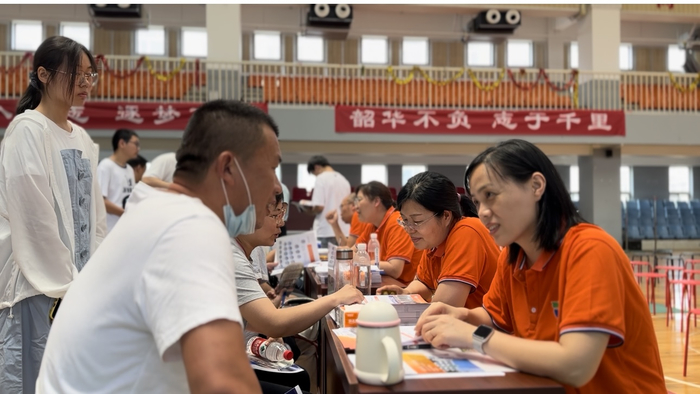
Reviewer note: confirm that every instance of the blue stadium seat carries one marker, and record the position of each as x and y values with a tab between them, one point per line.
633	233
663	233
682	204
691	232
669	204
676	232
695	203
644	204
632	204
687	218
633	221
661	220
646	221
647	232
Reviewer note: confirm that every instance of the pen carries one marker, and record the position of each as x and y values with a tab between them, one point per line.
418	346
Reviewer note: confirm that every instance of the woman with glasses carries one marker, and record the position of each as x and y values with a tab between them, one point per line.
458	254
52	217
564	302
398	258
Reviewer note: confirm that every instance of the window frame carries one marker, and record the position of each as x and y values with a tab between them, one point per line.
493	54
268	32
530	43
324	50
185	29
427	50
79	24
165	41
388	50
13	33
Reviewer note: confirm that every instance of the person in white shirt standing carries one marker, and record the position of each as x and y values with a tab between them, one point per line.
52	218
116	177
161	315
330	189
160	172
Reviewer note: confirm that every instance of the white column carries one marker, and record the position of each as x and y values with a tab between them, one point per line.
224	35
599	38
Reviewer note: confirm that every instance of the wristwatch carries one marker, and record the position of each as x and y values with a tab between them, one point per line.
480	336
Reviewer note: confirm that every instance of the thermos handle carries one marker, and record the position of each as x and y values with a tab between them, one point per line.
395	365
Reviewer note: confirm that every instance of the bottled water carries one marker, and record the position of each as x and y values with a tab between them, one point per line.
373	249
361	268
273	351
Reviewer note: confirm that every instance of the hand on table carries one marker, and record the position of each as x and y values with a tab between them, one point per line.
446	331
440	308
348	295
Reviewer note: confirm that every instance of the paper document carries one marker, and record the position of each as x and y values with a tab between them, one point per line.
297	248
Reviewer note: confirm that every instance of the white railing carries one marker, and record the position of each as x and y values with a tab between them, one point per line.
129	78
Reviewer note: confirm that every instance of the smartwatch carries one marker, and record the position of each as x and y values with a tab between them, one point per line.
480	336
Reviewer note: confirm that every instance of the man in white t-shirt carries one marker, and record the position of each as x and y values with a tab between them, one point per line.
115	176
330	189
161	315
160	172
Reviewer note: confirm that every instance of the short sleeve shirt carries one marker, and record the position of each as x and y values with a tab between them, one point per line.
468	255
585	285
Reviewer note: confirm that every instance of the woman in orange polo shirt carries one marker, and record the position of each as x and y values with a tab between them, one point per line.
459	256
564	302
397	256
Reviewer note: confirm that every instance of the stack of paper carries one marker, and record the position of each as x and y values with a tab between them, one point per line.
409	340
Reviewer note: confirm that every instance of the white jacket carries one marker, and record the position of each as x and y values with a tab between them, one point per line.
36	218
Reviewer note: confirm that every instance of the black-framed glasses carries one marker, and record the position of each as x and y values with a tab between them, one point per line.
80	78
413	226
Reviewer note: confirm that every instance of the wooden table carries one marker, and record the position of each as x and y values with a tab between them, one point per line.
337	377
314	288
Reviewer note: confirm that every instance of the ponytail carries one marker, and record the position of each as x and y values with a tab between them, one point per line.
32	95
466	205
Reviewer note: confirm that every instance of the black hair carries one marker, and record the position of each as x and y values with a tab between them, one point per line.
218	126
138	161
59	56
436	193
376	189
122	135
316	161
516	160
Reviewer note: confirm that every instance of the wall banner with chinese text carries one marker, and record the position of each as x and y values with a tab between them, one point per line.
456	121
114	115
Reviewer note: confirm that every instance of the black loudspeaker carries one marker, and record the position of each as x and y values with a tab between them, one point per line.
608	153
330	15
115	10
496	21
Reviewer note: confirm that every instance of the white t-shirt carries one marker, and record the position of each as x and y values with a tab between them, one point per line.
116	183
329	191
162	167
167	269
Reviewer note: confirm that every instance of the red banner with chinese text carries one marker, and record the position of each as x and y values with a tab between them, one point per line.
115	115
350	119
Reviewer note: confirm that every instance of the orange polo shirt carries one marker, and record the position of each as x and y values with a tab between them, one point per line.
394	243
358	228
468	255
585	285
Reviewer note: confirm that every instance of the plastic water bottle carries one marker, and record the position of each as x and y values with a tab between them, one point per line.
273	351
373	249
361	268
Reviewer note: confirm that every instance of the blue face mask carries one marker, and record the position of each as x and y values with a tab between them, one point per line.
245	223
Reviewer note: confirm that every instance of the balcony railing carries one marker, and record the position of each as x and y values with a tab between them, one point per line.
129	78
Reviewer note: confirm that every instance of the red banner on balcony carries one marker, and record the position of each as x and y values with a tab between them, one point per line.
115	115
456	121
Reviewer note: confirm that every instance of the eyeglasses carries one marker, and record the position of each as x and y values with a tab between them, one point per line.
413	226
278	214
80	78
136	143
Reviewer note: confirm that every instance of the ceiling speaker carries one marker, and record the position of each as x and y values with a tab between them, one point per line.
495	21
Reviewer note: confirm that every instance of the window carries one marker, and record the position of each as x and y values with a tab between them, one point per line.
310	49
626	59
194	42
375	50
679	183
573	55
304	179
573	183
414	51
77	31
519	54
374	172
150	41
676	58
480	54
625	184
267	45
26	35
407	171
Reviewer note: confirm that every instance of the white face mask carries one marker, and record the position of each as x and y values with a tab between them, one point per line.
245	223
